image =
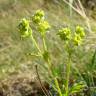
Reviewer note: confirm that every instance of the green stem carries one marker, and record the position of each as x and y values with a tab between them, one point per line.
55	79
35	43
50	69
44	43
68	76
57	86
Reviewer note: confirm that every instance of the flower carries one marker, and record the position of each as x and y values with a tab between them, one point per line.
38	16
43	27
80	31
77	40
79	34
24	28
64	33
41	24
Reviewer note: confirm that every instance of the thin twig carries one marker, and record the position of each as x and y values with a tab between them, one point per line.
41	85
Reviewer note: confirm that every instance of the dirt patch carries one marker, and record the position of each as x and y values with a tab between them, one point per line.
21	86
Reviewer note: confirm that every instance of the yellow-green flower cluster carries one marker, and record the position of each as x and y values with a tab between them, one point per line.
38	16
24	28
77	40
79	34
80	31
65	34
42	25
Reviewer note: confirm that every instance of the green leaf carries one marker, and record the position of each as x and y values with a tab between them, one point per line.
46	55
77	87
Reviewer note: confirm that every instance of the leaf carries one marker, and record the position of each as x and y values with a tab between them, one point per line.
58	71
93	61
77	87
46	55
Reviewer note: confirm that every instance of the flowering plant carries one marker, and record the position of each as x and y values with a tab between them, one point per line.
65	35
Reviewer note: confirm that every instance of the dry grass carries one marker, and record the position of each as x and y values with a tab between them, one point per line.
13	58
